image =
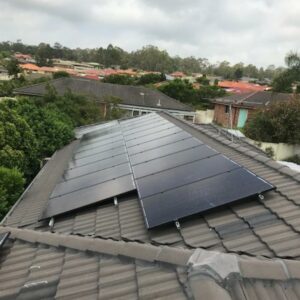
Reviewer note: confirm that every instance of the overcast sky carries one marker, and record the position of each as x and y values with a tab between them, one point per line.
253	31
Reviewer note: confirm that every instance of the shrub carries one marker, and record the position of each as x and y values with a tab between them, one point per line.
11	187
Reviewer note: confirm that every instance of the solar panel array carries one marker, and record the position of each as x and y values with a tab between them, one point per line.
98	170
177	175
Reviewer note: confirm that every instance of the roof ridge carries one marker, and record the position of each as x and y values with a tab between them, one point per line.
146	252
267	161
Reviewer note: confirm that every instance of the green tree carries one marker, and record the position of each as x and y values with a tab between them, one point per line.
238	74
113	109
18	145
11	187
60	74
283	82
279	123
119	79
203	80
51	128
151	78
13	68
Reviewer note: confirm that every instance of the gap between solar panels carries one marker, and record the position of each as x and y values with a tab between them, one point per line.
177	176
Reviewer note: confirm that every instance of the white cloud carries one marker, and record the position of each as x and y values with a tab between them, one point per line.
257	31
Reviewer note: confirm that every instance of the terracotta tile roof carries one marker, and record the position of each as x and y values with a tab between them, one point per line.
30	67
241	87
248	250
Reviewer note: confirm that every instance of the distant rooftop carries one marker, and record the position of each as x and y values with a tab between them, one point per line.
130	95
254	99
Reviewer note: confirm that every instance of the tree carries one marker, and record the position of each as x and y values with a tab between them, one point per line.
18	145
238	74
151	78
60	74
11	187
51	128
113	109
283	82
13	68
203	80
44	55
279	123
119	79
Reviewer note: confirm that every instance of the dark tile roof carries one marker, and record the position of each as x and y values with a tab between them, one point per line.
254	99
260	234
130	95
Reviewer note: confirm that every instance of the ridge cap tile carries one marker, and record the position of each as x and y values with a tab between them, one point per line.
261	269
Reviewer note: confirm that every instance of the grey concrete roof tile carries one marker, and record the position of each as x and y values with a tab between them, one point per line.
197	233
174	256
293	268
262	270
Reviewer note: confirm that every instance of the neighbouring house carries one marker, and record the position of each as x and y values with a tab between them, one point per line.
24	58
238	87
76	234
136	100
235	110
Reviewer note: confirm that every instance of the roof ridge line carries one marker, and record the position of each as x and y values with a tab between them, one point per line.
135	250
267	161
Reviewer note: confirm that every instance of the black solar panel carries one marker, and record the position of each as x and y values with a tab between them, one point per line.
88	196
99	170
177	175
201	196
3	237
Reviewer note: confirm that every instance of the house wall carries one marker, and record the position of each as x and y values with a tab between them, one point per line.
204	116
222	118
280	151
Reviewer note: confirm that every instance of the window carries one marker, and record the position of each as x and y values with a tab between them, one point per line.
226	109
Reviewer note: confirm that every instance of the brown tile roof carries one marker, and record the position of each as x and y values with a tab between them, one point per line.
95	242
254	99
130	95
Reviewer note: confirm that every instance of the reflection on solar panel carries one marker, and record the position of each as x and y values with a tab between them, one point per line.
177	175
99	170
3	237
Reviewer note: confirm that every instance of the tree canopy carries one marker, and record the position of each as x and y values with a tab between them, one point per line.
279	123
149	58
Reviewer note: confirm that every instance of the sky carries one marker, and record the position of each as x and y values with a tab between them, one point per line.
260	32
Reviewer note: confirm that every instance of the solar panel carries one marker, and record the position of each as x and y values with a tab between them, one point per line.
91	179
201	196
88	196
173	160
161	147
95	166
99	170
3	237
184	174
177	175
96	157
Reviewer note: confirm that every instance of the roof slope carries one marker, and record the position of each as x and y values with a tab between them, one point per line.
130	95
255	99
256	236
